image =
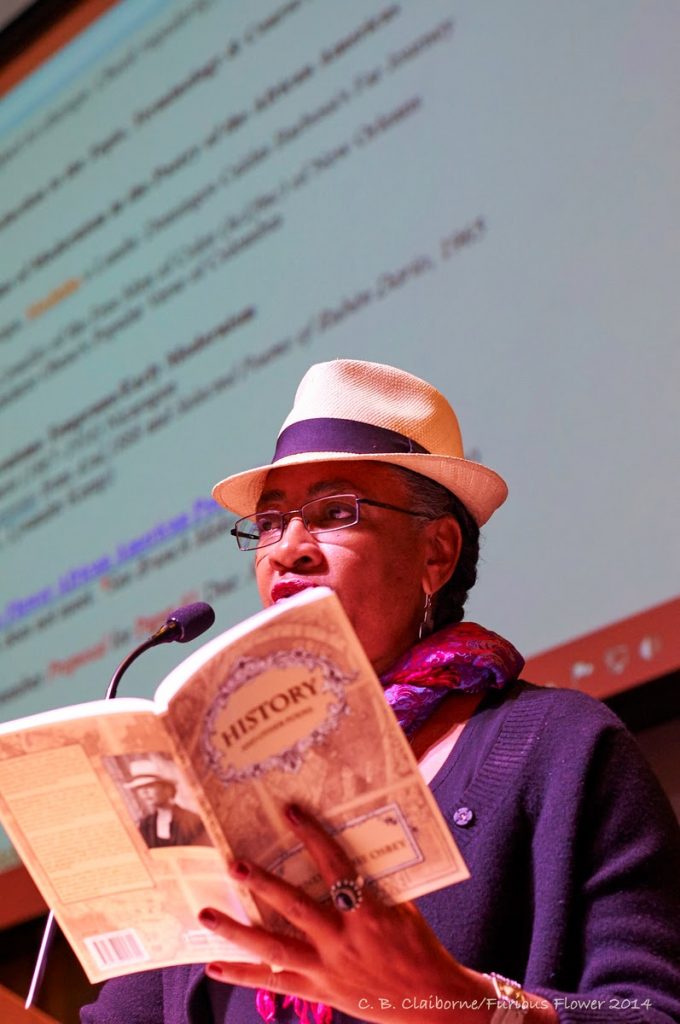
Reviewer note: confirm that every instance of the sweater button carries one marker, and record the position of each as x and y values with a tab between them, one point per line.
463	816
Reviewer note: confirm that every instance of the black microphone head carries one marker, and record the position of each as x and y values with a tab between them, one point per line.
192	620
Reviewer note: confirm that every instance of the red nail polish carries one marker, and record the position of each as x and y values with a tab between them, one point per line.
208	918
214	970
240	869
294	814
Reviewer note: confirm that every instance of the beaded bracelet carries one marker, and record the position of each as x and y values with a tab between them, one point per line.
511	1000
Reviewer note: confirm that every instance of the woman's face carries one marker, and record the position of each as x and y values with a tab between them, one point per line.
376	567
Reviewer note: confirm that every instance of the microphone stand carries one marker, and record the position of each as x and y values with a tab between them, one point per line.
173	629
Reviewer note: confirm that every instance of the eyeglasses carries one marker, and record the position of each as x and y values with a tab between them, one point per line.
322	515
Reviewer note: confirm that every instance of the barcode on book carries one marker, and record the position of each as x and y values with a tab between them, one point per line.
113	949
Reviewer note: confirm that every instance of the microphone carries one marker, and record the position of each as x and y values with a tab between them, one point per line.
185	624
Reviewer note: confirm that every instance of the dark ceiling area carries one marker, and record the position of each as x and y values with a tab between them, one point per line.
30	20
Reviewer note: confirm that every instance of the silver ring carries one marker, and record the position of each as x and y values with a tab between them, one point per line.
347	893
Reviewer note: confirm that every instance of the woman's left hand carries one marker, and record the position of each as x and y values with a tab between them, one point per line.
375	962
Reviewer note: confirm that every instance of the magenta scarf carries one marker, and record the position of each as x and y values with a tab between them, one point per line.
465	658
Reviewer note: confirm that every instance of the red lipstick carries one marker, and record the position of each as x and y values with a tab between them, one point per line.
286	588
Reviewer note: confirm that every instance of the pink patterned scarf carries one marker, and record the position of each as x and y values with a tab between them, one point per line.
465	658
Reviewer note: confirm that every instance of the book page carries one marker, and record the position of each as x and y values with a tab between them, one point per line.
109	825
292	711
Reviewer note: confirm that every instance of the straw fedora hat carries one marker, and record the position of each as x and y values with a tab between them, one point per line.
350	410
149	779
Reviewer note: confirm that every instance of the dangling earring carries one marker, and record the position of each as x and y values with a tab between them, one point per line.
427	623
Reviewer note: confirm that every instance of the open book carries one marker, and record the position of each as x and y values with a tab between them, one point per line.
126	811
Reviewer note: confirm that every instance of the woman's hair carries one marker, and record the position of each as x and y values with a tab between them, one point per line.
431	500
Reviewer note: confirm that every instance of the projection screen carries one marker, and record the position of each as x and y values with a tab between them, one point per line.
200	198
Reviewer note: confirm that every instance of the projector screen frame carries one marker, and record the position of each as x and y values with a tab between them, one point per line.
39	32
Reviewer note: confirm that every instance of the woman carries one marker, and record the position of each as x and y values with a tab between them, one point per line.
572	849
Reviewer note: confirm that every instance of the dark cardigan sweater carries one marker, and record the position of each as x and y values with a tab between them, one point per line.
574	857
